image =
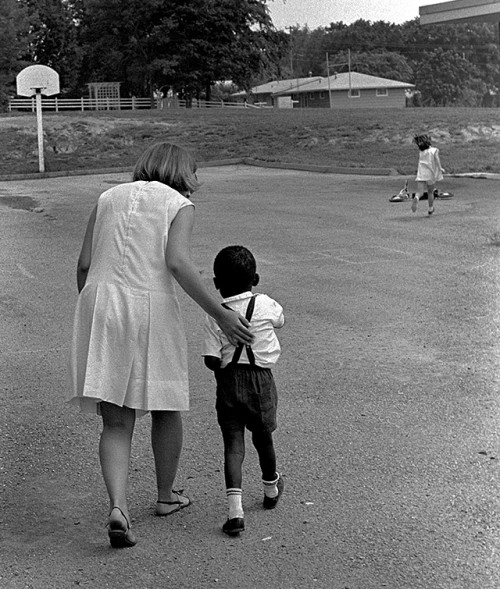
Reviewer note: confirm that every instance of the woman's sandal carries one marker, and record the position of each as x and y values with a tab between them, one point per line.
120	536
178	505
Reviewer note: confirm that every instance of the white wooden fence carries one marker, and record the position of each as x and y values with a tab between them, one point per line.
58	104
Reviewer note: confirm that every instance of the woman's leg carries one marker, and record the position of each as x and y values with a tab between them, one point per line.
166	439
114	452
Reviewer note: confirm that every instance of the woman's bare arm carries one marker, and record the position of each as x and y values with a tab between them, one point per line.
178	259
86	253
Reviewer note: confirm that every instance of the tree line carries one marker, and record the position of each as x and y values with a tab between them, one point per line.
450	65
189	45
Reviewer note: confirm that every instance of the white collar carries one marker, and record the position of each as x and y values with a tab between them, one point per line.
239	297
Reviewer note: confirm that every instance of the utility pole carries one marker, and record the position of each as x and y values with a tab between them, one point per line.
328	76
349	63
291	50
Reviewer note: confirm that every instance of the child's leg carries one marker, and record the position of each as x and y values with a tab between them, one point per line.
234	454
271	479
166	439
421	188
430	188
114	452
263	442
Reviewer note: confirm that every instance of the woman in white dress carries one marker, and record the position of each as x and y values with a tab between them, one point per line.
128	354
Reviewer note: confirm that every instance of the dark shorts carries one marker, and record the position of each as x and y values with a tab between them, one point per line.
246	397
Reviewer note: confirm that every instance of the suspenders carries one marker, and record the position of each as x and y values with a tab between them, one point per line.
239	347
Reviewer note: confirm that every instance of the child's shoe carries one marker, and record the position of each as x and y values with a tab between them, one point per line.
234	526
431	210
271	502
414	204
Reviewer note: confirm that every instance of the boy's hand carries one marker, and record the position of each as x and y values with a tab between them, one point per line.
212	363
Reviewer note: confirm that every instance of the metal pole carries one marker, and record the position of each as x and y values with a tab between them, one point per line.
328	75
41	163
349	63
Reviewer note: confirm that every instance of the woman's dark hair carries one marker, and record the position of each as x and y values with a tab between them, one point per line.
235	265
168	164
423	141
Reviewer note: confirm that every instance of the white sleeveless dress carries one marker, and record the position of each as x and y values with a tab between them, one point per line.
129	346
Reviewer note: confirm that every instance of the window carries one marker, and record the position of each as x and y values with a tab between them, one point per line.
382	92
321	95
354	94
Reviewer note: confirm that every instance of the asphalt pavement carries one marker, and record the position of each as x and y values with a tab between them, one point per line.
388	436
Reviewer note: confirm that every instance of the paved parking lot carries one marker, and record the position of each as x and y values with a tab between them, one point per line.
389	408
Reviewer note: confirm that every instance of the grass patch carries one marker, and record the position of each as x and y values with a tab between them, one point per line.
468	139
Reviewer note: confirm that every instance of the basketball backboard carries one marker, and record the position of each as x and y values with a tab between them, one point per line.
37	78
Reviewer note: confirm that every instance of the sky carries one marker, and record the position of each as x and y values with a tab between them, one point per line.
320	13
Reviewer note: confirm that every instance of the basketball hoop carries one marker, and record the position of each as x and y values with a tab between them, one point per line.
36	80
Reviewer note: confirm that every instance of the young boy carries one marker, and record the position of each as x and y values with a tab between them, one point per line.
246	393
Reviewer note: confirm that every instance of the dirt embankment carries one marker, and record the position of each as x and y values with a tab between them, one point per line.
468	139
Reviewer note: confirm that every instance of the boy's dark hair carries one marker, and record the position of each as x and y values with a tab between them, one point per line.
235	265
423	141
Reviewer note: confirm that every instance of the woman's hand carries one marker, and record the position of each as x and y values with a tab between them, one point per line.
235	326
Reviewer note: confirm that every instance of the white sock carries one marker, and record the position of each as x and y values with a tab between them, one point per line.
234	500
270	487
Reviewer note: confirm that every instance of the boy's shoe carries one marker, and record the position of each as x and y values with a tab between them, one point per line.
414	204
431	210
234	526
271	502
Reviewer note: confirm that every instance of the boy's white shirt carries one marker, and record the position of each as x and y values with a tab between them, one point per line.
267	316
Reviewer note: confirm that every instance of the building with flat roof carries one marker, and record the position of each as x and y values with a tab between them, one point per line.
460	11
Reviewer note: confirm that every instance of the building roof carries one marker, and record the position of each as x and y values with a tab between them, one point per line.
276	86
344	81
460	11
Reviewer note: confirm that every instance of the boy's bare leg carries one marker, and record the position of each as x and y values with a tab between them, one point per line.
263	442
272	481
234	454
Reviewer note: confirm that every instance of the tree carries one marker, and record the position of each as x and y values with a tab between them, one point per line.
445	78
384	64
14	39
125	41
475	43
185	44
363	36
54	28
